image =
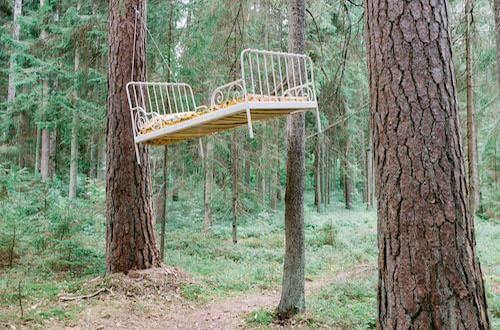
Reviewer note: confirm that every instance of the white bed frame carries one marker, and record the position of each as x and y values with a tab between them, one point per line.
269	81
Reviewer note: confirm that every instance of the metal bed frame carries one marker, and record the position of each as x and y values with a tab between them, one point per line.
272	84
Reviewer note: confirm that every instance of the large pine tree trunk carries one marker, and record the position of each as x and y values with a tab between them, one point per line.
429	273
130	234
73	166
292	294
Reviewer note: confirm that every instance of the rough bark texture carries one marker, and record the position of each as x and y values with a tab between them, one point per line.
429	274
496	9
292	294
130	235
73	166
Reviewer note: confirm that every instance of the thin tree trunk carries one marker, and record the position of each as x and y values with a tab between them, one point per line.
44	159
93	156
496	9
472	157
234	176
317	179
429	272
37	149
369	167
73	169
130	234
209	178
292	295
346	163
163	194
11	89
52	152
163	203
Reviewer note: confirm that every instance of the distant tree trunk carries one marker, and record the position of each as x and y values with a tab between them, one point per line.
292	295
273	196
163	203
130	234
73	168
101	162
317	177
328	172
472	156
209	178
496	9
44	159
346	162
234	176
279	198
369	168
11	89
37	149
164	186
93	156
429	272
45	136
52	152
247	171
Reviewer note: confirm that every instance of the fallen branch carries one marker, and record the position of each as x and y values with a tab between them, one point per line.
87	296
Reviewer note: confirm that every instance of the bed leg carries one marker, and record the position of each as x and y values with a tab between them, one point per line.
137	154
249	122
318	120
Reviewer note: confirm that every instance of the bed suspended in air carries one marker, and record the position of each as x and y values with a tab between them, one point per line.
272	84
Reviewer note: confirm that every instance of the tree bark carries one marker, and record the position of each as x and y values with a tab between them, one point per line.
472	156
209	179
429	273
292	294
73	167
130	234
234	176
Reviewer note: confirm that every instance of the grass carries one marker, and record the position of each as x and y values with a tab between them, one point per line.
61	246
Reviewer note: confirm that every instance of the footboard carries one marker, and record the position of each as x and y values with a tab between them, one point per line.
148	101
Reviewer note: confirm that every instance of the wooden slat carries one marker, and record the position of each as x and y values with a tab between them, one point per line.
221	124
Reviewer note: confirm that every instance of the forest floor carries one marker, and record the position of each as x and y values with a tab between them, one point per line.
207	282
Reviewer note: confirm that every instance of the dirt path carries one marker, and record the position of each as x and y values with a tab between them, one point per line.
228	314
223	314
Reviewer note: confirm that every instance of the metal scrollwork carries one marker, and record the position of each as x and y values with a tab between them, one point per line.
232	91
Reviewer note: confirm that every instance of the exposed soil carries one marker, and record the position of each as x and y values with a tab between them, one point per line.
157	303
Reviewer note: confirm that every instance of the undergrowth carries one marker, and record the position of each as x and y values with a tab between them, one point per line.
50	244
